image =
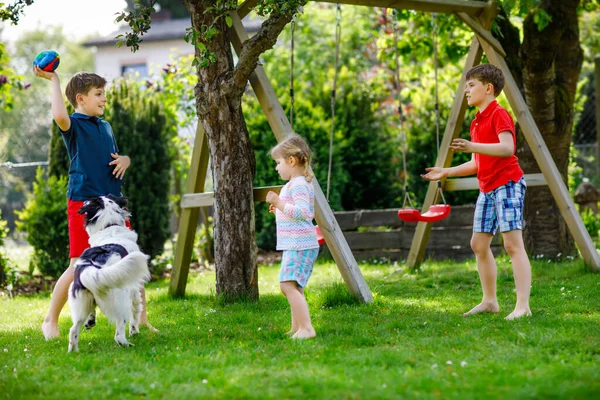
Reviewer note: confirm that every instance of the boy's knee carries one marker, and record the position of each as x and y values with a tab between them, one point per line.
512	247
513	242
478	246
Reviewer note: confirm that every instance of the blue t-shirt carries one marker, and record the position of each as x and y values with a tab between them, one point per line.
90	141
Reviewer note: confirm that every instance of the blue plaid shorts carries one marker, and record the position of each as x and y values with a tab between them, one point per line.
502	207
297	265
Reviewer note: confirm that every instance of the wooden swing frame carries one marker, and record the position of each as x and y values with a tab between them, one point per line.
476	15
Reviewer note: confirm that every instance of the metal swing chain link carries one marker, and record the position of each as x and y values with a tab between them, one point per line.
338	37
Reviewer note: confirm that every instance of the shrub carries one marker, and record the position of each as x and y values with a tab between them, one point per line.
591	222
144	128
3	259
44	219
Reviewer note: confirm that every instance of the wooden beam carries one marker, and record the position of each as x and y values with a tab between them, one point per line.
245	8
545	162
482	33
207	199
473	8
323	214
188	221
454	185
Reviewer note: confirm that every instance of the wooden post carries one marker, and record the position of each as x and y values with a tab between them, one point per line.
188	221
416	253
597	95
545	162
323	214
444	158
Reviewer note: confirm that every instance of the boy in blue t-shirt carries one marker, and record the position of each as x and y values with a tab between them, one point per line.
96	169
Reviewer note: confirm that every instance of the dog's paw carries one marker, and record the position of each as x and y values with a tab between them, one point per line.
73	348
91	321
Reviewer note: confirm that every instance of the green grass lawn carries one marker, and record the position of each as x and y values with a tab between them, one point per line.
411	342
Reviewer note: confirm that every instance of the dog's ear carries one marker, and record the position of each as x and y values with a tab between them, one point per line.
84	209
91	208
121	201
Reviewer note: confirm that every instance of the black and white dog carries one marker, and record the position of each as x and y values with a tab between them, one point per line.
110	273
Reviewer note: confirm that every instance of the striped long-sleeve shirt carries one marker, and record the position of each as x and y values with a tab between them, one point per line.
295	230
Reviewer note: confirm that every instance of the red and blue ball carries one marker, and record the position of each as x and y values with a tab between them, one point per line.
47	60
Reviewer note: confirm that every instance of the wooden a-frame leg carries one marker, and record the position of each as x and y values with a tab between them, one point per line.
323	214
545	161
452	131
188	221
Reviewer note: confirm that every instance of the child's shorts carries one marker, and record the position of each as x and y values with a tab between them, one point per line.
502	207
297	265
78	237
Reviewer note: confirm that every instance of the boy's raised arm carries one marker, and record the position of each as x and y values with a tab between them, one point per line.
59	110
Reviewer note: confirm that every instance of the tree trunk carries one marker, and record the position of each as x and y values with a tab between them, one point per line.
549	67
233	166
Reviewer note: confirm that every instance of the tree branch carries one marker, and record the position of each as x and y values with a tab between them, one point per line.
263	40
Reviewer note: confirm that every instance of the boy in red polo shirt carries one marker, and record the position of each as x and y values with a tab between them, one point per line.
96	169
502	188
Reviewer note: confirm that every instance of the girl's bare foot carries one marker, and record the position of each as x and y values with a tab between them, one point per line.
50	330
304	334
518	313
487	307
291	332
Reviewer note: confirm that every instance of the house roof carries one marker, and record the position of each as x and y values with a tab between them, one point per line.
169	29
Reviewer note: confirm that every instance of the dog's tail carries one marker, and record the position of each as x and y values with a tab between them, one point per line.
132	270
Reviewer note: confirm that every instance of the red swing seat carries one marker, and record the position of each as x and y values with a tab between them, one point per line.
435	213
320	237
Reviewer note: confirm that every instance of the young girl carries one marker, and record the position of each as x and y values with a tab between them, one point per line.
296	235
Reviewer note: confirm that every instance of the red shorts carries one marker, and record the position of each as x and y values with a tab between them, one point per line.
78	237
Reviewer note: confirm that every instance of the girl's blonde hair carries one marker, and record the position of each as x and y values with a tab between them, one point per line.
295	146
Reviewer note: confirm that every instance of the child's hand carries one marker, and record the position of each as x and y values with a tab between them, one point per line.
273	199
271	208
43	74
121	164
462	145
435	174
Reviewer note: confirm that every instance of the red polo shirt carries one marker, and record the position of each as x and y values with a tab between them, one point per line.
492	171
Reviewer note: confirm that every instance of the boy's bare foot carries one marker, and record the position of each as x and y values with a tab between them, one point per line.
518	313
50	330
291	332
304	334
483	308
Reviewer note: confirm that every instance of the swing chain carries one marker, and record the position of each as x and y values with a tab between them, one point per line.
293	29
397	87
338	37
435	71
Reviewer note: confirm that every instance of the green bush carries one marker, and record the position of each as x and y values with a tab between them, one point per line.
144	129
591	222
58	159
44	219
3	259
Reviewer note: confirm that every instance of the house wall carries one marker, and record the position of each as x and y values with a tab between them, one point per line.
110	59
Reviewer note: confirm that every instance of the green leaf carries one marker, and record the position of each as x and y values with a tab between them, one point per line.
229	21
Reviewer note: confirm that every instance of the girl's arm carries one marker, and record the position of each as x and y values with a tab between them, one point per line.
300	208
